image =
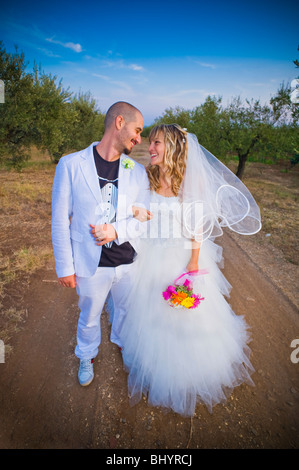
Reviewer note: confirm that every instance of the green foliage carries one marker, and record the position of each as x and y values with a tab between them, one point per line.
175	115
204	121
284	111
295	159
247	129
39	111
54	118
17	113
209	125
286	129
146	130
89	124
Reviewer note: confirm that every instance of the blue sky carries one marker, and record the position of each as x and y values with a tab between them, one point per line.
158	54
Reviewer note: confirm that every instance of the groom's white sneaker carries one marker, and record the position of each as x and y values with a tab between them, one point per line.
85	374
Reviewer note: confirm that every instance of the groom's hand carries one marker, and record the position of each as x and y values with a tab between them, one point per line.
68	281
103	233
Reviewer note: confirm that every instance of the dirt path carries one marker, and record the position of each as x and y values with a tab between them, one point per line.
42	406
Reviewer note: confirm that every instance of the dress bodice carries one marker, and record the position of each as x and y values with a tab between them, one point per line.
165	226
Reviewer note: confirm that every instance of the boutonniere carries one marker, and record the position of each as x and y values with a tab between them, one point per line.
128	163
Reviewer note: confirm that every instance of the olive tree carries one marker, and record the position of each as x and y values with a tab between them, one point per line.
17	111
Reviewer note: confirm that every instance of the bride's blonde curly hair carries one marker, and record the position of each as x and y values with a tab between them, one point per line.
175	157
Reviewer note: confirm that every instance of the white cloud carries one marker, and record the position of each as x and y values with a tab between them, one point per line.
68	45
121	86
135	67
103	77
74	47
205	64
120	64
48	53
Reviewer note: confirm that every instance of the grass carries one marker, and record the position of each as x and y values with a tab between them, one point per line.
12	318
25	201
277	194
25	241
21	193
24	261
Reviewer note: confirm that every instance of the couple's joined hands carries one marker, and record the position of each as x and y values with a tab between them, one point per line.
105	233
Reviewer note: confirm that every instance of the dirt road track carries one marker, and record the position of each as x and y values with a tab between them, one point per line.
42	406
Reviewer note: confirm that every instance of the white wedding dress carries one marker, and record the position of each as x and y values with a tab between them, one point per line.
179	357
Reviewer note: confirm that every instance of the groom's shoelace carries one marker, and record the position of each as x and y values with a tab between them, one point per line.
86	364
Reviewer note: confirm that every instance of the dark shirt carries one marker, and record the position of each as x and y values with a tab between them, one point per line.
112	254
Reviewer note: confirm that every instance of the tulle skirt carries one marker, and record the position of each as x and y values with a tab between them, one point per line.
180	357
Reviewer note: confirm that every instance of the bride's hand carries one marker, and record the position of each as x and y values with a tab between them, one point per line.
191	266
141	214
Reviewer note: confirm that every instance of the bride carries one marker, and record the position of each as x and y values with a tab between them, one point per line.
179	357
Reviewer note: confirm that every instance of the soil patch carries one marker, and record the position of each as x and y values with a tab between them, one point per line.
42	404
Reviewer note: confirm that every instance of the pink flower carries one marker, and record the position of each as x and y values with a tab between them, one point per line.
168	292
197	300
188	284
166	295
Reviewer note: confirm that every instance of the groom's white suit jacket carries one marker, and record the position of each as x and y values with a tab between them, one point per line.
77	203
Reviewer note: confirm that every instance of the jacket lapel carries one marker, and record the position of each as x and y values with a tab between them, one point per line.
89	171
123	188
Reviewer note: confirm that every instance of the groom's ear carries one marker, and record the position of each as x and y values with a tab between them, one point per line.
119	122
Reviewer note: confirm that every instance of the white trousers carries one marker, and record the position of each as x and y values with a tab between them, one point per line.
93	292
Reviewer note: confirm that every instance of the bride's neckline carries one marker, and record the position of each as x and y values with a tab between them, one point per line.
166	197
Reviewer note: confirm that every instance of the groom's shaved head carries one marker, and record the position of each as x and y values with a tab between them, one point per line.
121	108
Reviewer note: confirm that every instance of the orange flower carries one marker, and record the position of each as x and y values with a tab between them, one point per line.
178	297
182	295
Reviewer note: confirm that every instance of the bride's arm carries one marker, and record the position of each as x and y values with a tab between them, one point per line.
193	262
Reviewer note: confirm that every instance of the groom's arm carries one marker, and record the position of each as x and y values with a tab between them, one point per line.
61	213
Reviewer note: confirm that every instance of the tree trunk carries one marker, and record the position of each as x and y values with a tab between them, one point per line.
241	166
243	157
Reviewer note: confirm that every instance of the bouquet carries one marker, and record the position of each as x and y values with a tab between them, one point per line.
181	294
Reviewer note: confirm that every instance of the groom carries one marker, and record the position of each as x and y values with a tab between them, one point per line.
94	191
